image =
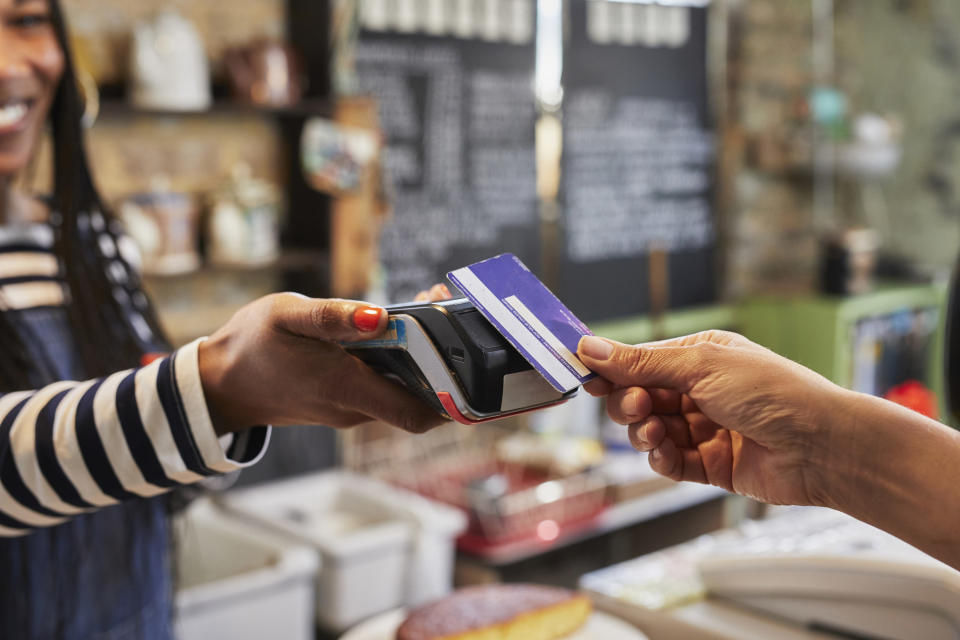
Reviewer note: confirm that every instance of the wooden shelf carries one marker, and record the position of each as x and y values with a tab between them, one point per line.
120	108
289	260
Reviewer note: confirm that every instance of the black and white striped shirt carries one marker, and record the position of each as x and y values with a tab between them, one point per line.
75	446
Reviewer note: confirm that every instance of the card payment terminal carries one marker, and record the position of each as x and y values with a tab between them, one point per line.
451	356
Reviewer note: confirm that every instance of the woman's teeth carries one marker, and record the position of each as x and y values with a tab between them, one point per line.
12	113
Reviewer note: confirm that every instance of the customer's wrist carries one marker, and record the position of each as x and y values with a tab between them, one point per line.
834	460
870	439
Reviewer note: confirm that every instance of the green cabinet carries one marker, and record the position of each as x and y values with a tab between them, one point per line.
820	332
680	322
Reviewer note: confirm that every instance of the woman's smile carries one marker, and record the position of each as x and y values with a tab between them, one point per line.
31	65
14	116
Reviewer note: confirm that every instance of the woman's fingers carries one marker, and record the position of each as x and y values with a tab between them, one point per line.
343	419
365	391
326	319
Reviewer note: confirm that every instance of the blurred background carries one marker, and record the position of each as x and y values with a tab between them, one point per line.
789	169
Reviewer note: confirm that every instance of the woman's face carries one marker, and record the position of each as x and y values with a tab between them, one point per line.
31	63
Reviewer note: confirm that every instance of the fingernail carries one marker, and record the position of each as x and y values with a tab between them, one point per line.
367	318
631	404
596	348
654	454
636	436
446	291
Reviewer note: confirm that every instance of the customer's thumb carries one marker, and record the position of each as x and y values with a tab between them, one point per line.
667	367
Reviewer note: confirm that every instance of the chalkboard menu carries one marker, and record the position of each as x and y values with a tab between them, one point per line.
637	157
454	79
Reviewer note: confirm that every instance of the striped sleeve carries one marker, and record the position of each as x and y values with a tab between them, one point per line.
73	447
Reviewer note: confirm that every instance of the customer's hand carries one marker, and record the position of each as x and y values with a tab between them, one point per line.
433	294
716	408
278	361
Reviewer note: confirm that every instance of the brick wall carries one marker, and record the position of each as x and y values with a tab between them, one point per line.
893	57
903	58
771	245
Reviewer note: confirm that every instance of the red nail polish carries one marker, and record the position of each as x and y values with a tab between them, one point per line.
367	318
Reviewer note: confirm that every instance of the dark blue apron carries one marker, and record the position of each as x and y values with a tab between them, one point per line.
105	575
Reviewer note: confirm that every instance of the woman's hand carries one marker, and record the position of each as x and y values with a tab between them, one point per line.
716	408
278	361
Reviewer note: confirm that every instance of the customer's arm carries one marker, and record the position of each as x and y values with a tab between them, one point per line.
897	470
717	408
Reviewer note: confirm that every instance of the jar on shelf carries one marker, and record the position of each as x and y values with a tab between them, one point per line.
164	225
243	228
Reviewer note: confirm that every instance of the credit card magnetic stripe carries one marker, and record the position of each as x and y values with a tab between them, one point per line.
533	323
526	341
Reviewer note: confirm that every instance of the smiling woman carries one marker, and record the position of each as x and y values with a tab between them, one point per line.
31	64
84	465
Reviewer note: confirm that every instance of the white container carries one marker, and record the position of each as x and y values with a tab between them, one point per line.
436	526
378	545
237	581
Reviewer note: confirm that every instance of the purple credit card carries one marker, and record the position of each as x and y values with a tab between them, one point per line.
529	316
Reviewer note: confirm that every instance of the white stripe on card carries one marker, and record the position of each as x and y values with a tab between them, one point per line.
552	340
470	283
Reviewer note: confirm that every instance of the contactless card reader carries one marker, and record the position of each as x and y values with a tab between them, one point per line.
450	355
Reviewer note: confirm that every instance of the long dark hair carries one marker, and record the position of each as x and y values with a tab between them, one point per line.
103	307
97	312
